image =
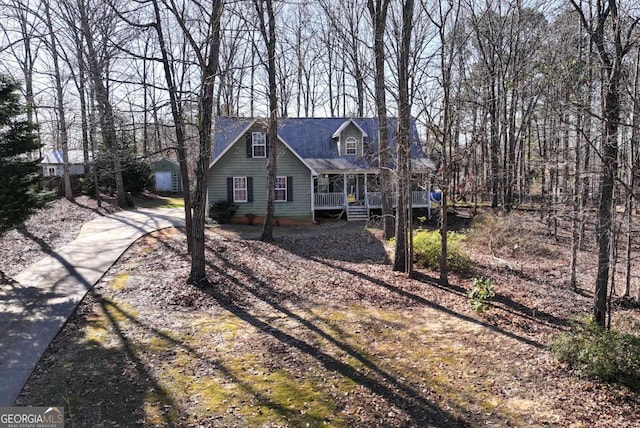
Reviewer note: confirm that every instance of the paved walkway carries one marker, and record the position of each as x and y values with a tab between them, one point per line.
43	297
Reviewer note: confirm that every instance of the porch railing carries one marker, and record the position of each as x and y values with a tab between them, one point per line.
324	200
418	198
374	199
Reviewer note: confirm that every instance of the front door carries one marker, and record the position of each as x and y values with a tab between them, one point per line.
355	189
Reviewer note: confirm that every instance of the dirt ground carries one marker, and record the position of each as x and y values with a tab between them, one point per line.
315	329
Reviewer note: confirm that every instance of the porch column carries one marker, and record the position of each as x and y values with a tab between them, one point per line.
345	190
313	202
366	192
429	198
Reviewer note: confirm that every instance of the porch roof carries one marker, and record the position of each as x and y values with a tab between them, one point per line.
342	166
338	165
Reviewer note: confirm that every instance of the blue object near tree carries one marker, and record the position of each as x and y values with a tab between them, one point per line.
435	197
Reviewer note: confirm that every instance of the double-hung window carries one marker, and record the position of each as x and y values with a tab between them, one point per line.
281	189
239	189
258	145
351	146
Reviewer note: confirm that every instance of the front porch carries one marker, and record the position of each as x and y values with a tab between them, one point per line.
357	194
372	200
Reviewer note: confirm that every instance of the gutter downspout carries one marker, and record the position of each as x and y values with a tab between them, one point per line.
313	201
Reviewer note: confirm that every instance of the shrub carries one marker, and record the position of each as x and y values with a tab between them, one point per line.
480	293
222	211
427	250
608	355
508	235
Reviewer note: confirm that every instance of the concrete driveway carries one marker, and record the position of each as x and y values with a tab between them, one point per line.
41	299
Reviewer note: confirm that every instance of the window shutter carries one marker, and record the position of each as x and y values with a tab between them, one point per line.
249	189
289	189
249	144
230	189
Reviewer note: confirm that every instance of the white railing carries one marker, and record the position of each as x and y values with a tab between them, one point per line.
418	199
374	199
329	200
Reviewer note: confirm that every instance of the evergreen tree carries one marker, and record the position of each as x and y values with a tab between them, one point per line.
136	173
18	173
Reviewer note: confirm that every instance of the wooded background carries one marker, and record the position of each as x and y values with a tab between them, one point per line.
530	103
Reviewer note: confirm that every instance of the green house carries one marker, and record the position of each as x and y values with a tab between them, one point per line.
323	164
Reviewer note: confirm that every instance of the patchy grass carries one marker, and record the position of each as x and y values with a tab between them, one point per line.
119	282
317	332
159	201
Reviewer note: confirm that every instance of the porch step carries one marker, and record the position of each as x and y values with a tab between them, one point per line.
357	213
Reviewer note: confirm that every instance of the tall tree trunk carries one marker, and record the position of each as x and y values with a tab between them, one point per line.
611	53
107	119
209	67
268	30
634	169
402	261
576	217
80	78
378	13
62	122
178	120
611	107
495	142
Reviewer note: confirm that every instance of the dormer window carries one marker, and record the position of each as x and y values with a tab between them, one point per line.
351	146
258	145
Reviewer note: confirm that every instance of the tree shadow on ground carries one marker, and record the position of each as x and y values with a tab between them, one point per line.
352	245
396	391
427	303
352	254
113	384
102	384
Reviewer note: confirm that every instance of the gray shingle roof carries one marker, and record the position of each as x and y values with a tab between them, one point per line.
312	139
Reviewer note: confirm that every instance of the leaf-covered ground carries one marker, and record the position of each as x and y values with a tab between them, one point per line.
316	330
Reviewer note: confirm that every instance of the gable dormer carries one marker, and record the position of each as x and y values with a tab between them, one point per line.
350	139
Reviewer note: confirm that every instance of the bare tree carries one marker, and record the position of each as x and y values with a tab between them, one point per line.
267	28
62	122
97	72
445	19
178	122
612	44
207	58
21	11
403	258
378	12
345	19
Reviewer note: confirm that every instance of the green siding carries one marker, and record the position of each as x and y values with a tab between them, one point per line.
235	163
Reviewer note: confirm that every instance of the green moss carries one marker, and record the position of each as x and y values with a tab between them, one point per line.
98	330
226	325
280	397
119	282
258	394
